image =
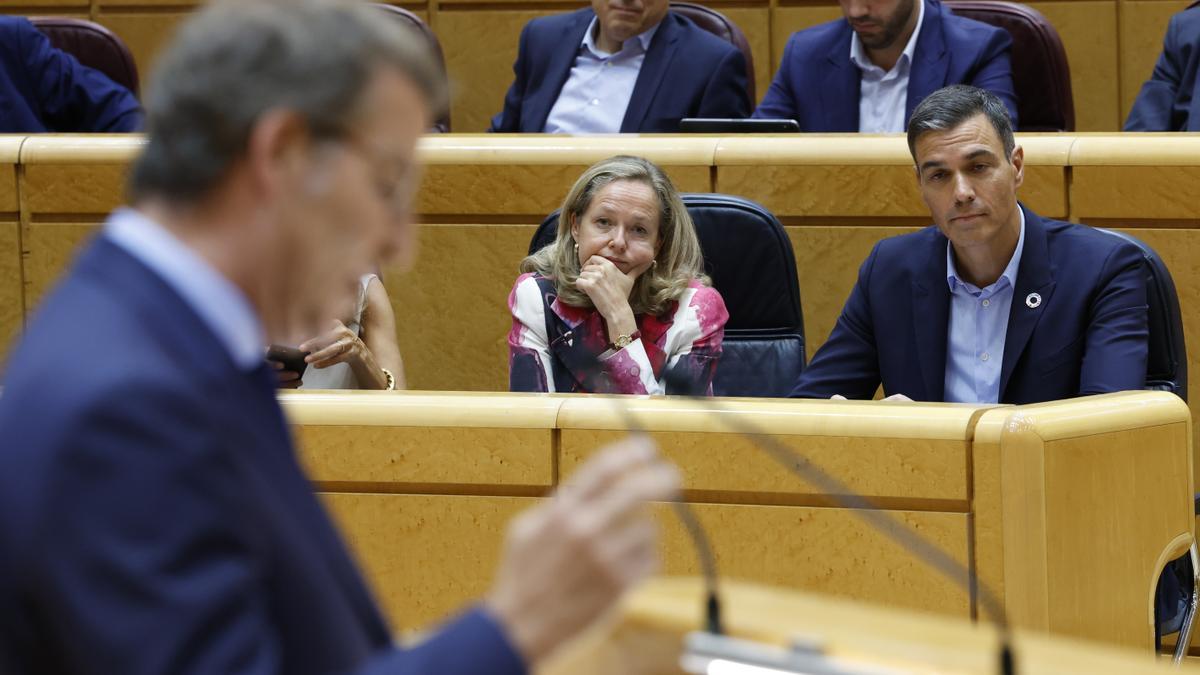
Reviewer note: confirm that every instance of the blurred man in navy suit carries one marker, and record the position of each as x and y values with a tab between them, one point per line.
153	518
621	66
868	71
1169	100
992	303
46	89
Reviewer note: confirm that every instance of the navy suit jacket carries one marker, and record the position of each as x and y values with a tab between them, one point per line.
45	89
687	72
1170	99
153	517
1088	335
818	85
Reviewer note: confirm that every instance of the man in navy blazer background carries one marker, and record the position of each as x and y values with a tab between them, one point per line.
992	303
153	517
621	66
1170	99
45	89
869	70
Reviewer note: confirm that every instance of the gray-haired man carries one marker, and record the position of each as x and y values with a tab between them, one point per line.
152	516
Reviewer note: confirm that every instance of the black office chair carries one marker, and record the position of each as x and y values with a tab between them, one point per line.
1177	596
749	258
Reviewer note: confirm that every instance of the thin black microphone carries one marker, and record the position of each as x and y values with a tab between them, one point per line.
680	384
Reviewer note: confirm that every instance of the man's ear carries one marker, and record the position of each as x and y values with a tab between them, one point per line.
1018	162
277	151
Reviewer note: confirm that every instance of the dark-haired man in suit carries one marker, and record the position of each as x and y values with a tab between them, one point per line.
868	70
45	89
621	66
153	517
1170	99
992	303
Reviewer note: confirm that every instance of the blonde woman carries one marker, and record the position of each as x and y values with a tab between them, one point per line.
620	296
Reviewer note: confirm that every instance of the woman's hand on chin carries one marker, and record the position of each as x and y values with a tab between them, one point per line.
609	289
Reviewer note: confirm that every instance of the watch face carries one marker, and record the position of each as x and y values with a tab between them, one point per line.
623	341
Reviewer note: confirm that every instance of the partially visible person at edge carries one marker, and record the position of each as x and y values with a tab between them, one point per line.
620	297
44	89
153	516
358	351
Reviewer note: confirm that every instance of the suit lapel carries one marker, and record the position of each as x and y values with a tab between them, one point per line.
559	62
930	61
840	87
1033	276
654	66
249	402
931	320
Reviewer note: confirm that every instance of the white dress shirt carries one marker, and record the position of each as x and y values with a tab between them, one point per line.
597	92
978	328
883	95
221	305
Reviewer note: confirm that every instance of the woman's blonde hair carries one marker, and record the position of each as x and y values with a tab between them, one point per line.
679	258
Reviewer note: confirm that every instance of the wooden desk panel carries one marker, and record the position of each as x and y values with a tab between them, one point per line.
427	556
1067	510
12	302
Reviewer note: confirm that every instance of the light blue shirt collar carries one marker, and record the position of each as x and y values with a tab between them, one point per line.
858	53
641	40
217	301
1010	271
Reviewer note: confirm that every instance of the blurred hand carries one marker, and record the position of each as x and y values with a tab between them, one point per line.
288	379
337	345
570	559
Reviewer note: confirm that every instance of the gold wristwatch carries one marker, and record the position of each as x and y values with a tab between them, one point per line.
624	341
391	379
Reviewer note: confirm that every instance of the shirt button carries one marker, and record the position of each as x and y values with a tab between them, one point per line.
595	101
985	303
984	357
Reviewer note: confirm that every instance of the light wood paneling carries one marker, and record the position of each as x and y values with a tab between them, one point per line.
146	33
755	22
787	19
429	555
480	47
1143	25
732	467
827	262
12	303
1089	34
454	302
426	556
49	248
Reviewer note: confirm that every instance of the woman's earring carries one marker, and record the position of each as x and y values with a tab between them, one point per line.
576	248
654	263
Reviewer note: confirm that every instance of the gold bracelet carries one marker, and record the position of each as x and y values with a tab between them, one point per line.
391	379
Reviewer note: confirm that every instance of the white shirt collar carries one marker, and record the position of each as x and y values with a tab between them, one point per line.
217	301
643	39
858	53
1010	270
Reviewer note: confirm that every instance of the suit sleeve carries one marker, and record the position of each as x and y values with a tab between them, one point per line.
72	97
995	71
848	362
154	566
509	119
1152	109
726	95
780	100
1117	337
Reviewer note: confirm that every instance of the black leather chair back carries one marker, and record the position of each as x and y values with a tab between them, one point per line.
1166	365
749	258
442	124
1041	74
92	45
